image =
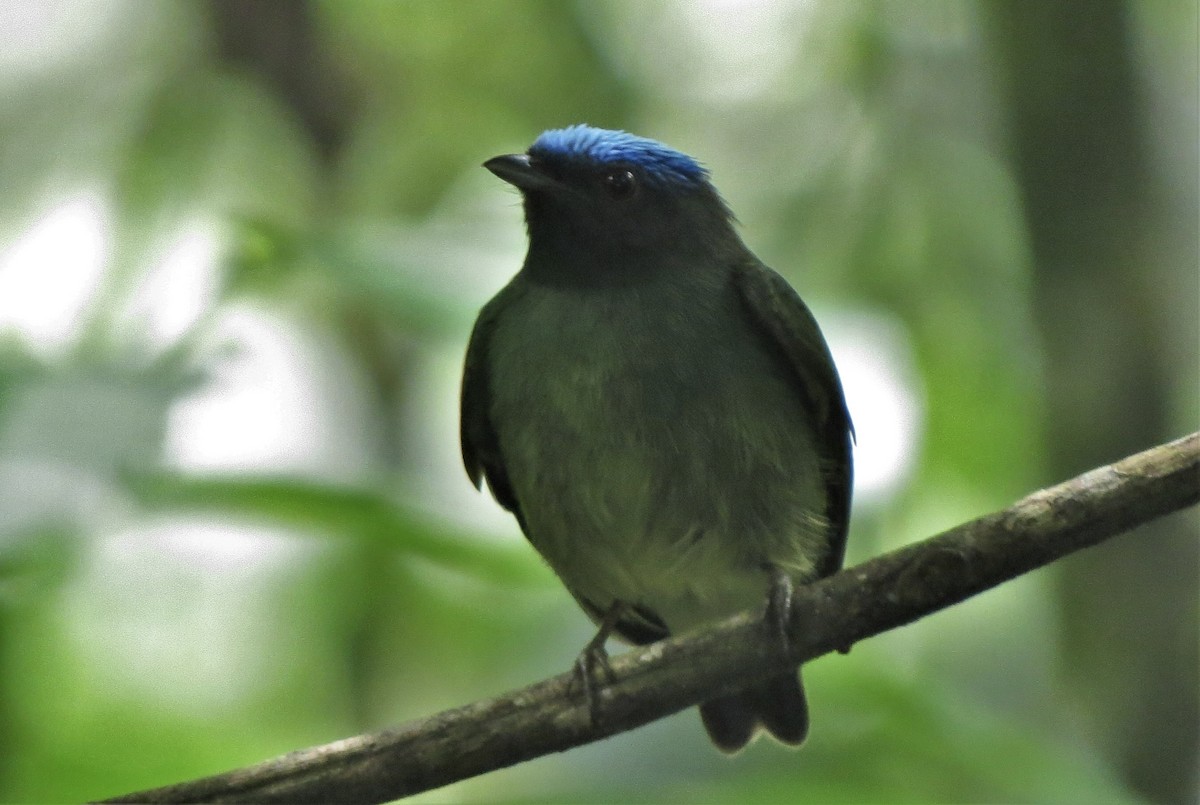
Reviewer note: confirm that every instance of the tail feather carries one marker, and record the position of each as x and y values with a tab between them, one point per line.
778	705
730	722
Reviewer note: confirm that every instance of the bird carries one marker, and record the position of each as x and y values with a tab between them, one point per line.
657	408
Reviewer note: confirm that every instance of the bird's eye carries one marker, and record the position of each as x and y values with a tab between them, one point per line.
620	183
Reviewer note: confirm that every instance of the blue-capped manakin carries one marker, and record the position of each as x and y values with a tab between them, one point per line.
657	408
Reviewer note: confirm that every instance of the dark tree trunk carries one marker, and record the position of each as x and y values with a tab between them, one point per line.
1077	133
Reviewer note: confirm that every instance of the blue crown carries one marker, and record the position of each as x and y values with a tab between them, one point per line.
604	146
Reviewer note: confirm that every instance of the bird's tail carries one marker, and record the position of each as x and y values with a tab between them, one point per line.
777	705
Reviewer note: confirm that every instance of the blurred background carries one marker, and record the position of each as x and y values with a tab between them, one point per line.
242	243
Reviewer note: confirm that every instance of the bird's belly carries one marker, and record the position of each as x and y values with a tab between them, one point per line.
622	520
658	479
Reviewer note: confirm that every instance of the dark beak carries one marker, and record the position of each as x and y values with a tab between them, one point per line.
517	170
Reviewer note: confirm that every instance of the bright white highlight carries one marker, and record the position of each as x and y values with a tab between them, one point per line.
50	274
257	414
180	287
875	361
280	400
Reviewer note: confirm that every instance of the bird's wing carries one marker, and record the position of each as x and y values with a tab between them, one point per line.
480	447
782	318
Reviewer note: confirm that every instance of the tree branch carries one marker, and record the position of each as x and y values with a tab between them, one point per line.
655	681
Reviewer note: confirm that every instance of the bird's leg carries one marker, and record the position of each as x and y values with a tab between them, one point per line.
595	655
779	605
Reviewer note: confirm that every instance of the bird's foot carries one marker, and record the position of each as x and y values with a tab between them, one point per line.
592	662
590	665
779	607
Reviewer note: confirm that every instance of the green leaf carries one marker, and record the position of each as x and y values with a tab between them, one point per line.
354	513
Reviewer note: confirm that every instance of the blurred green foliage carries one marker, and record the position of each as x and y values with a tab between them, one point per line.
193	577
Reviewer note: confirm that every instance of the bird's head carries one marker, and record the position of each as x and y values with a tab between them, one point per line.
600	202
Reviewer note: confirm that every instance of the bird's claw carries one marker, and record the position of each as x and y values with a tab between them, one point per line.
779	607
593	658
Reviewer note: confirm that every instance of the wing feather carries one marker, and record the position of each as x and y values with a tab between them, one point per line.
480	446
783	319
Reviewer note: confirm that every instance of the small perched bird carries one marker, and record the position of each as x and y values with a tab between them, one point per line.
657	408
